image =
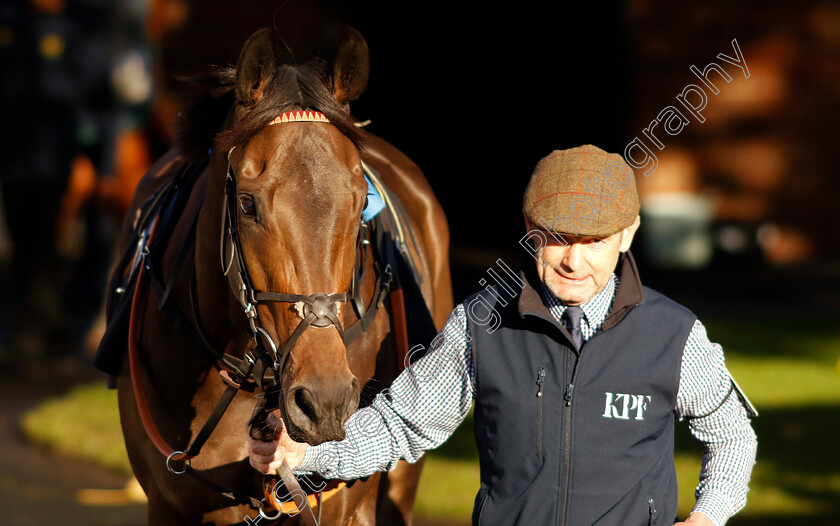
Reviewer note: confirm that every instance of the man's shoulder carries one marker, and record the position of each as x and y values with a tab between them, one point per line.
504	290
493	293
659	301
494	297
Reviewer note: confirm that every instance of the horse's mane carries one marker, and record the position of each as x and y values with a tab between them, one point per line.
210	96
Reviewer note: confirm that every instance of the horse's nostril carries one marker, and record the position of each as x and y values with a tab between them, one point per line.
303	399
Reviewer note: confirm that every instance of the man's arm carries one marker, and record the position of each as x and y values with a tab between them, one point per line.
719	420
421	409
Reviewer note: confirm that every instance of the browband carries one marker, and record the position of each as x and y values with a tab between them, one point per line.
299	116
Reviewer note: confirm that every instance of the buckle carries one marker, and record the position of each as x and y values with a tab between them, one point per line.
169	463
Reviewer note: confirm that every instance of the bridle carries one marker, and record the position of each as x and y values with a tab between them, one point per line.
320	309
263	363
316	310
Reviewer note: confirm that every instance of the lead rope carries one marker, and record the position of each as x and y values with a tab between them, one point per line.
284	473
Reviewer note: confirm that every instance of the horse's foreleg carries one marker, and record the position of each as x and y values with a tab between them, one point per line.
160	511
398	490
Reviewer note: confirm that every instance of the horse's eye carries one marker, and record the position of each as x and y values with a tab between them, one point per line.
248	206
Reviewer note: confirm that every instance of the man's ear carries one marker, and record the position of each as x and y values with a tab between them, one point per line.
528	225
627	235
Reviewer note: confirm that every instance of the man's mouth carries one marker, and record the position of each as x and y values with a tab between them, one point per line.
570	279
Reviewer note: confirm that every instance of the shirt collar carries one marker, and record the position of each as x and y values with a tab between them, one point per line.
628	293
594	311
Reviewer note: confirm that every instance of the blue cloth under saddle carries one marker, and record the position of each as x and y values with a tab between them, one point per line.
375	204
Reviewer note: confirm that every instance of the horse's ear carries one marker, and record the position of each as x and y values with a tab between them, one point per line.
351	67
255	66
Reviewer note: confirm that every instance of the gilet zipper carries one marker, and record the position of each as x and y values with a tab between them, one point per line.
566	451
540	384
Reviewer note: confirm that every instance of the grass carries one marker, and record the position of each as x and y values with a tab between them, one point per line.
85	424
793	377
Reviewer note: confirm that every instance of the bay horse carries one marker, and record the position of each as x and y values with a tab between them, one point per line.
280	204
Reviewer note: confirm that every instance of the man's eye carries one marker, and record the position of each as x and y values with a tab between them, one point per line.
593	242
248	206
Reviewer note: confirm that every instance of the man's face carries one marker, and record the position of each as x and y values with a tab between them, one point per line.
576	272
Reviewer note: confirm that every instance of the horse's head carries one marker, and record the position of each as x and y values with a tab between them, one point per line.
296	192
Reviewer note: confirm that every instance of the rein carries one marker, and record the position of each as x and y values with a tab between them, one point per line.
149	425
260	367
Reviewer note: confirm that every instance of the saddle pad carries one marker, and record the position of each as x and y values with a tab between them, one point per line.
393	236
375	204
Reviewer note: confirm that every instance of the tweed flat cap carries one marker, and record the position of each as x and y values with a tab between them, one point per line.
582	191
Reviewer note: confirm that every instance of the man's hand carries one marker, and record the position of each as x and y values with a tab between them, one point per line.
695	518
271	445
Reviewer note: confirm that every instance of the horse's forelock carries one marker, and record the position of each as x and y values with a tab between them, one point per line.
292	87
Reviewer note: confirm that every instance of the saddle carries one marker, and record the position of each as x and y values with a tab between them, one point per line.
159	213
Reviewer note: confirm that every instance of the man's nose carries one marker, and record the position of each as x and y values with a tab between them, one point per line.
573	257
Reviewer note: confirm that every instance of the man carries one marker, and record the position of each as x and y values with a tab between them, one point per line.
578	374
